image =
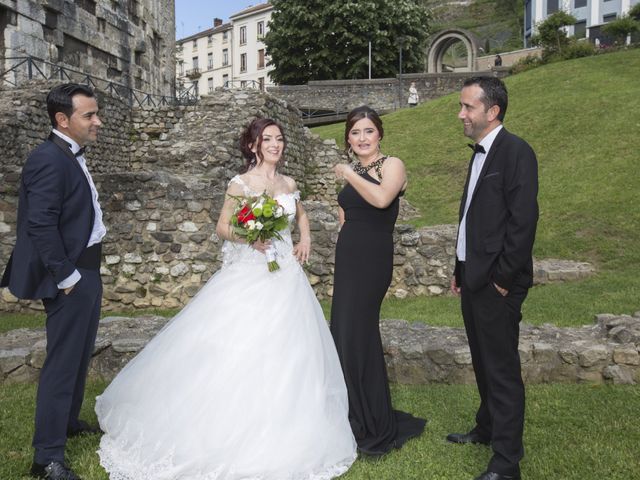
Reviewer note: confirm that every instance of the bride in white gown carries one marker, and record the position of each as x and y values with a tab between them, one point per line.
245	382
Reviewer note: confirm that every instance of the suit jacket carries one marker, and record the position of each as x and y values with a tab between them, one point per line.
55	220
502	217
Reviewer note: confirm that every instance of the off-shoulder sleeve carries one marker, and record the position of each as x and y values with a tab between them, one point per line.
237	180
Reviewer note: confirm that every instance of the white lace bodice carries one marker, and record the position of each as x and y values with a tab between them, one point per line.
233	252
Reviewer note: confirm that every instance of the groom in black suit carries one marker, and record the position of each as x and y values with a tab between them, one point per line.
494	269
57	259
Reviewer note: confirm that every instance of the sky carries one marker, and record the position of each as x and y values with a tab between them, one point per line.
193	16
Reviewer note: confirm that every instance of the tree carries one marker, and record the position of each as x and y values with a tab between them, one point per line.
328	40
551	35
621	28
635	12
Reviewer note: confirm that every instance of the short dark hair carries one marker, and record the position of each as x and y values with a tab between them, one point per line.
495	93
252	136
358	114
60	99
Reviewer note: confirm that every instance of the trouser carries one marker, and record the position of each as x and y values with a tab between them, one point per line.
492	323
72	324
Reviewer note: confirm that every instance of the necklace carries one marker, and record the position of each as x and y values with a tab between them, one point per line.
362	169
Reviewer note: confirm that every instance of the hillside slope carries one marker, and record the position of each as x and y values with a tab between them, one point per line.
581	117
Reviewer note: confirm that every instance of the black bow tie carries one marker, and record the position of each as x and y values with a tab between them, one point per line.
80	152
477	148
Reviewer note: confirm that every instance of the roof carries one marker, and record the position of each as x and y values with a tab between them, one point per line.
206	33
253	9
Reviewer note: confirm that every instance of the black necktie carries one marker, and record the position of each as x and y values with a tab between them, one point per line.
477	148
80	152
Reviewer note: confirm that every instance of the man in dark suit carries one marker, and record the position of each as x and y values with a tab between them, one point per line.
494	269
57	259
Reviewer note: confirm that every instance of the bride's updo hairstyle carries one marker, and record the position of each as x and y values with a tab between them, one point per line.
252	136
358	114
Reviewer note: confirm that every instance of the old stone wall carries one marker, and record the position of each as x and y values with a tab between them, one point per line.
382	94
161	175
25	124
607	351
486	62
130	42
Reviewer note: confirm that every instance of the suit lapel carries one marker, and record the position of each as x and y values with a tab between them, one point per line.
66	149
491	154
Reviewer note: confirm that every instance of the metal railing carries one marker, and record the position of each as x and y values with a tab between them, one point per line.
243	84
24	69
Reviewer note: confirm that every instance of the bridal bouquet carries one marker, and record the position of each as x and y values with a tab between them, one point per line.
260	218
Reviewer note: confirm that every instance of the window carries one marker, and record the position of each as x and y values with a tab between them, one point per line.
181	67
210	61
195	44
243	62
261	83
209	39
580	29
210	84
580	3
225	57
552	6
194	86
225	80
609	18
260	30
243	35
225	36
243	84
261	58
194	63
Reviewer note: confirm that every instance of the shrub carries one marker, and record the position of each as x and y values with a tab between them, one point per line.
527	63
577	49
621	28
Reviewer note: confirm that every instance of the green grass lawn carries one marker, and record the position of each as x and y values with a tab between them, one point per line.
581	117
572	432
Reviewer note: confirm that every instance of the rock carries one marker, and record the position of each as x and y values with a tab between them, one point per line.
179	270
619	374
592	355
626	354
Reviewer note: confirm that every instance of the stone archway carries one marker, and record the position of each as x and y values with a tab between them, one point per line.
440	43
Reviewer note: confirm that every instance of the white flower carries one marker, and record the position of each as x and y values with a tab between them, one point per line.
252	224
259	226
278	212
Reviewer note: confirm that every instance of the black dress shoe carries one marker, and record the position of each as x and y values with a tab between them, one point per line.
83	429
471	437
497	476
53	471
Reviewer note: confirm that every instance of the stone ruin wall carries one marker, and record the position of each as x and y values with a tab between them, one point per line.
161	175
381	94
130	42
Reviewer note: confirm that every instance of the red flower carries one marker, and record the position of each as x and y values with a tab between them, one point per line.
245	214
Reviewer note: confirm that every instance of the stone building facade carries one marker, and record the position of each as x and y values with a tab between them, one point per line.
128	42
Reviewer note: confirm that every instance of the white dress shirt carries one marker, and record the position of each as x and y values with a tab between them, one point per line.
99	230
476	168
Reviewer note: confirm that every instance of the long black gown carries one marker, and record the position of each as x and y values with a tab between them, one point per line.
363	269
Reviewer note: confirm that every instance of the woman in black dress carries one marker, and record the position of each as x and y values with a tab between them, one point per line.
368	210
